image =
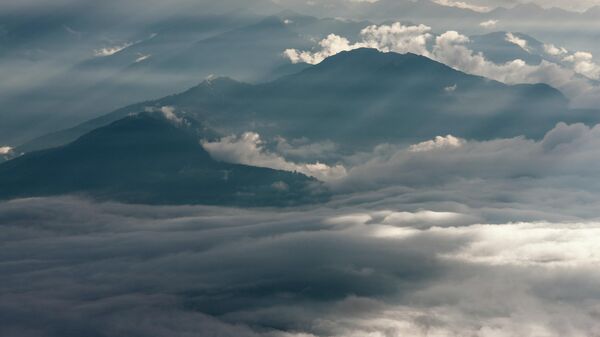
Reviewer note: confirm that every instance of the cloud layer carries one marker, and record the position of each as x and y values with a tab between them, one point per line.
566	150
353	270
447	237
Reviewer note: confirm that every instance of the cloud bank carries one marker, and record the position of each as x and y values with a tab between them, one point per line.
352	270
565	153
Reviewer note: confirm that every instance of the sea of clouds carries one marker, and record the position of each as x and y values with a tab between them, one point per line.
448	237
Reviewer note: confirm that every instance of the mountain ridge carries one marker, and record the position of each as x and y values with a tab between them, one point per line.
364	88
144	158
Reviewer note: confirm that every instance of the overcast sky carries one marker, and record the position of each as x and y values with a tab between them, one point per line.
144	4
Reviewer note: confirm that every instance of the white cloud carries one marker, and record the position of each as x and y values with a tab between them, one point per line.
398	38
512	38
249	149
489	24
530	244
168	113
330	46
565	151
4	150
351	270
524	244
395	37
437	144
107	51
583	63
463	5
553	50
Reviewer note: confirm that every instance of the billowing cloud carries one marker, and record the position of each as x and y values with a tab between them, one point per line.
395	37
331	45
583	63
249	149
553	50
567	150
533	244
437	143
489	24
348	270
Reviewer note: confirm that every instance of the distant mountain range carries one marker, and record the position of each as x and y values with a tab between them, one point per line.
356	99
359	98
429	11
160	60
145	158
111	68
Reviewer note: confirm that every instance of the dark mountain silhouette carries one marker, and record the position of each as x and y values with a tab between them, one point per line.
146	159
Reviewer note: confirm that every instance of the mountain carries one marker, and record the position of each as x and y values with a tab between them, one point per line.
145	158
158	59
359	99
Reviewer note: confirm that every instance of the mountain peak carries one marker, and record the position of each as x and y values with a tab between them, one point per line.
370	56
365	61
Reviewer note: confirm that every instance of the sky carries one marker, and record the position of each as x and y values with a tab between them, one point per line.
576	5
140	6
